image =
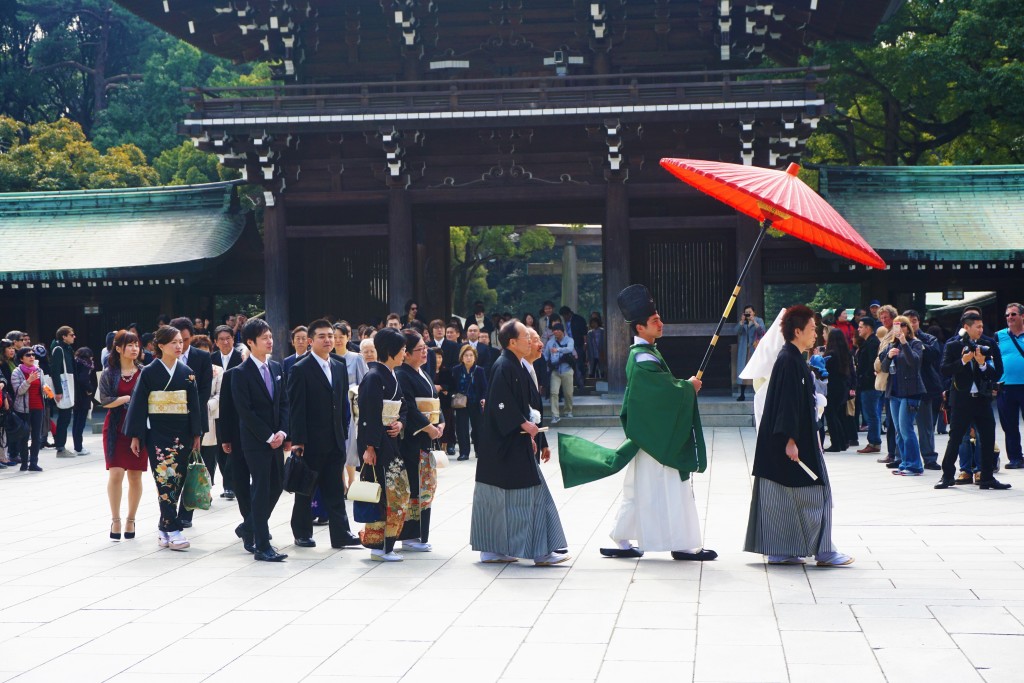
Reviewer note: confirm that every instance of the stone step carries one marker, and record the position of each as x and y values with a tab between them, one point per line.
593	407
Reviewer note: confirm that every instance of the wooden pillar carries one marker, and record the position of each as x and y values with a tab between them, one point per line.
570	277
33	326
615	245
275	267
752	292
401	250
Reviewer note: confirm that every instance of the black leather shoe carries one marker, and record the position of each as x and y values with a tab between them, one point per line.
463	457
250	546
622	552
704	555
993	484
945	483
932	466
321	521
230	495
305	542
451	450
348	540
270	555
886	460
1015	465
893	465
185	524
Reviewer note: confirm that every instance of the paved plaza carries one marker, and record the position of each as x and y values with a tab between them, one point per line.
936	594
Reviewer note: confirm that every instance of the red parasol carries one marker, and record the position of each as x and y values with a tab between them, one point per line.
778	199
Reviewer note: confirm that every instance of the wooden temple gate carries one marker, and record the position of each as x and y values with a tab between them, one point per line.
403	117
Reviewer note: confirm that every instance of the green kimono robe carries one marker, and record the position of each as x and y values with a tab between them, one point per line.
659	414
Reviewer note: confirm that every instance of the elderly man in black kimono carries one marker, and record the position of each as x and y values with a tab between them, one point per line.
514	515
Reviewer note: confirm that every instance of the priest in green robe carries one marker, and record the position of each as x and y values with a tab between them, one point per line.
664	446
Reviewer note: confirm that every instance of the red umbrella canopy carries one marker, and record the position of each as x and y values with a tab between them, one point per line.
792	206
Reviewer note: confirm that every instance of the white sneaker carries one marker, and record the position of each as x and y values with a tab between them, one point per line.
497	558
381	556
551	559
555	420
177	541
162	540
569	414
84	451
417	546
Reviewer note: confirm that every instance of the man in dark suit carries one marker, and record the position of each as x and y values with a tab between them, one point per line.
201	366
259	397
228	440
226	356
575	327
974	372
300	342
318	400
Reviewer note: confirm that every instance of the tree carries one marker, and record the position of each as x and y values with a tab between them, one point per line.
57	156
942	83
473	248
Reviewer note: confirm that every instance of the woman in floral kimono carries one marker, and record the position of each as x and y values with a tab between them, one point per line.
382	414
415	443
164	415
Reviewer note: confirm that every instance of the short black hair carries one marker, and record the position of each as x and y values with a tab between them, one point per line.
911	313
300	328
223	328
565	311
343	327
317	324
146	338
870	322
412	338
25	350
182	324
389	342
253	329
508	332
557	327
969	319
795	318
163	319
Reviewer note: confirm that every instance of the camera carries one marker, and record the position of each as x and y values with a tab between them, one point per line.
972	346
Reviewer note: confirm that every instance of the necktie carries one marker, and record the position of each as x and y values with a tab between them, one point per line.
266	380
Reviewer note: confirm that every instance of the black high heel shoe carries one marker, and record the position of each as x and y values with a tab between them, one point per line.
115	536
129	535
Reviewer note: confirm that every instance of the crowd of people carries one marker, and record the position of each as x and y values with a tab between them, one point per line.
891	377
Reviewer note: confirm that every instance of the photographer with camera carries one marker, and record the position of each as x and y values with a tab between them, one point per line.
560	353
901	360
748	335
974	369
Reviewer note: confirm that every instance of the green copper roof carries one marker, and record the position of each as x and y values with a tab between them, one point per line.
97	234
932	213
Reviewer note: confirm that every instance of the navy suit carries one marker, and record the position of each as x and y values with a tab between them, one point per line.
260	416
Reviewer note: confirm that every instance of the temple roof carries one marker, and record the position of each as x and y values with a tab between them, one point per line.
124	233
932	213
368	40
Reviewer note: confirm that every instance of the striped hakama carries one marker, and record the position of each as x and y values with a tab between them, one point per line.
789	520
516	522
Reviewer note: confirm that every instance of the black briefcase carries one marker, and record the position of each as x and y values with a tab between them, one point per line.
298	477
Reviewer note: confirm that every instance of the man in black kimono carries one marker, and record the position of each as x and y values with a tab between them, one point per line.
514	515
259	398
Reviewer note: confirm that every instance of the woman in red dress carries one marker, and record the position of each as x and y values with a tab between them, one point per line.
115	387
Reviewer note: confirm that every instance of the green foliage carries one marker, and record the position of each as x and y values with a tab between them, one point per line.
186	165
942	83
475	248
57	156
817	297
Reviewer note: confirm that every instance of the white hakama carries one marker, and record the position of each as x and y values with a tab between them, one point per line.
658	509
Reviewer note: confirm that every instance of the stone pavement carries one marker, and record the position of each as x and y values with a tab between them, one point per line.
936	594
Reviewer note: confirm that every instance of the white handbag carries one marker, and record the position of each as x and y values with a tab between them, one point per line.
441	460
67	386
365	491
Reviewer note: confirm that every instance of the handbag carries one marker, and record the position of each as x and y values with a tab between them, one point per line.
67	384
441	460
196	491
459	401
851	407
298	476
365	497
15	426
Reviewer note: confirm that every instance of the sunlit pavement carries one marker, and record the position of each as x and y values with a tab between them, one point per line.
936	593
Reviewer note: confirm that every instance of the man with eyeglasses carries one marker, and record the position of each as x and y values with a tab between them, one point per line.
1010	401
62	364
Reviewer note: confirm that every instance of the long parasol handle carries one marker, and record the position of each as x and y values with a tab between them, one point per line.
765	225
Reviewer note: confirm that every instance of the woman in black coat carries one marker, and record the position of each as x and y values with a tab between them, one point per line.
791	504
469	380
840	383
416	441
